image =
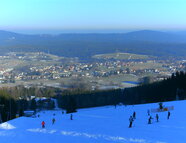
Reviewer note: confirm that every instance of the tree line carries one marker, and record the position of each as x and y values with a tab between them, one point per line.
8	106
172	88
15	100
72	100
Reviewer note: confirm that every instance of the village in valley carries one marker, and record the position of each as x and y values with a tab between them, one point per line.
106	71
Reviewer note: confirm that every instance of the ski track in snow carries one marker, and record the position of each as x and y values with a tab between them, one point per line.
42	130
105	137
94	136
95	116
3	133
171	127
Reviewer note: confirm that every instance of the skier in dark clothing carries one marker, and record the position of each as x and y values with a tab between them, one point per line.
71	117
157	118
168	116
148	112
115	106
149	120
53	121
43	124
131	121
161	106
134	115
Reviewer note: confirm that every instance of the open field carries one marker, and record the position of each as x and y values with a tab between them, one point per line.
121	56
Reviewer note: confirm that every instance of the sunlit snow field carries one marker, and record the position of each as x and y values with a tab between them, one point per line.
99	125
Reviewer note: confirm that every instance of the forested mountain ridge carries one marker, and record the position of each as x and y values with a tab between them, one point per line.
140	42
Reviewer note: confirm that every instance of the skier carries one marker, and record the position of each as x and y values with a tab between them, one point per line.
115	106
131	121
134	115
161	106
71	117
168	116
148	112
53	121
43	124
157	118
149	120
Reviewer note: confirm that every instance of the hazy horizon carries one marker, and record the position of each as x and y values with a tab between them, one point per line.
87	16
109	31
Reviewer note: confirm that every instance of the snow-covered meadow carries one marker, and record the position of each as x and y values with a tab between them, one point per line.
99	125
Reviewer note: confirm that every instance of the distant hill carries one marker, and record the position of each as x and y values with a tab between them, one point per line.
182	33
86	45
155	36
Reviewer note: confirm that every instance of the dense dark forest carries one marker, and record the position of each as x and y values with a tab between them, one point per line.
173	88
78	99
15	100
8	106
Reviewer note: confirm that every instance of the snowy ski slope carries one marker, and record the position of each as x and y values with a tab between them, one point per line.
99	125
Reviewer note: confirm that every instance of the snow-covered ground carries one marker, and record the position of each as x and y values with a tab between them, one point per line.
99	125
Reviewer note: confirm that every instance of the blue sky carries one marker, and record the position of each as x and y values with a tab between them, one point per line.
90	15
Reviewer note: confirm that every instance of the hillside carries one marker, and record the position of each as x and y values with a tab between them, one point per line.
143	42
104	125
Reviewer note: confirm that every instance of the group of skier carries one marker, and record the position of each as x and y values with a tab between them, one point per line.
133	117
53	120
43	122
